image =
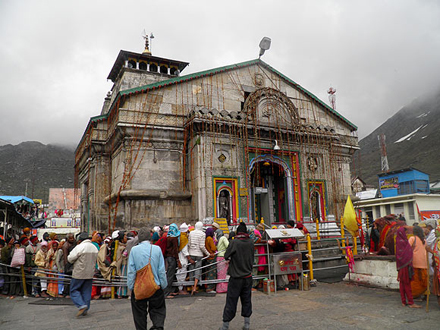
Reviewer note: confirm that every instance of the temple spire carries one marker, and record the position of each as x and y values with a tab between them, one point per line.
147	50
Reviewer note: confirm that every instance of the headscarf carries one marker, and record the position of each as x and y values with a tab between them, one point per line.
215	225
300	226
155	237
257	233
209	232
173	231
52	235
219	233
404	252
115	234
199	225
281	227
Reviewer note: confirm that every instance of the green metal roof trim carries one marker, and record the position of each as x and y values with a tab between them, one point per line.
201	74
188	77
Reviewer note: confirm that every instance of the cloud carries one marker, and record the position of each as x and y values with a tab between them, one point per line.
56	55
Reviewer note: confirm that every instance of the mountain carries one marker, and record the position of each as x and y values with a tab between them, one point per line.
412	140
39	166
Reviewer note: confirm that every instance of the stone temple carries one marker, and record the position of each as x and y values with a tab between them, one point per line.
240	142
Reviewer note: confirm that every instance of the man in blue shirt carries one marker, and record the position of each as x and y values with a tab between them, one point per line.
155	305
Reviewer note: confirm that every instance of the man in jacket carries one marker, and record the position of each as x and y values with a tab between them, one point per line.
139	257
240	254
83	257
196	250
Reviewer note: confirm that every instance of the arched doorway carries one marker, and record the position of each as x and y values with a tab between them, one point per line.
316	191
271	190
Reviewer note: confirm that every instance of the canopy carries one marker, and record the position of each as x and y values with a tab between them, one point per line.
15	199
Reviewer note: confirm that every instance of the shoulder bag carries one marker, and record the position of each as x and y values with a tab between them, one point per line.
144	285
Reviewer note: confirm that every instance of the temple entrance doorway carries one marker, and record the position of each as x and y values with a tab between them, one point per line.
269	193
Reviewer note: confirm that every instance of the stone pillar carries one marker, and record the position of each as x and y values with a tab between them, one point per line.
126	63
137	65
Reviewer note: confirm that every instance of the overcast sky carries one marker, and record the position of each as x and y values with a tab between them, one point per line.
55	55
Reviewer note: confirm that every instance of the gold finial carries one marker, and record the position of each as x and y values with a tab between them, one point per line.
147	41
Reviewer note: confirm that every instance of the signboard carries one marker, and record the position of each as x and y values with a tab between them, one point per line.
430	215
287	263
390	183
284	233
243	192
260	190
63	222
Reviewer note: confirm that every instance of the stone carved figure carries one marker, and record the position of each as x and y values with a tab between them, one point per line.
314	201
224	207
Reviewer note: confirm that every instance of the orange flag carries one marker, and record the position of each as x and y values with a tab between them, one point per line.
350	218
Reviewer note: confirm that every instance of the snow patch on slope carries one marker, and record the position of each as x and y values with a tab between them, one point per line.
410	135
423	115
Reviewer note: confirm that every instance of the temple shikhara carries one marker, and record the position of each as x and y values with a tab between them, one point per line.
240	142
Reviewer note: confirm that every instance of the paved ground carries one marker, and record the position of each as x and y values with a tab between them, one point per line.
327	306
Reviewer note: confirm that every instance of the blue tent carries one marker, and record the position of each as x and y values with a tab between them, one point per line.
15	199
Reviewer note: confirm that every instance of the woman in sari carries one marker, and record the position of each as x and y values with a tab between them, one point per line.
105	266
222	265
404	258
419	281
211	270
121	263
436	278
52	286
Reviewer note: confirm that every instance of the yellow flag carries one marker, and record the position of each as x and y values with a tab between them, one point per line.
350	218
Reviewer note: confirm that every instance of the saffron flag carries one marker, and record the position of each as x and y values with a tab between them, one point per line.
350	221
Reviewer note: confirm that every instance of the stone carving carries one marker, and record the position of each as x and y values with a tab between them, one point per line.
224	207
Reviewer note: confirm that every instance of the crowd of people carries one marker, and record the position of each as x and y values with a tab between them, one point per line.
191	253
418	262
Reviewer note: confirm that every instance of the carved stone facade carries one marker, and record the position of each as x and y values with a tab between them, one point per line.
243	141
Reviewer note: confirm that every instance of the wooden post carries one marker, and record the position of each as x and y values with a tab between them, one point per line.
23	278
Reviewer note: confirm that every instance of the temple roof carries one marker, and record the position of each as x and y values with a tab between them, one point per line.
197	75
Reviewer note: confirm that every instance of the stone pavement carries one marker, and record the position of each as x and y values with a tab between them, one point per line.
327	306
